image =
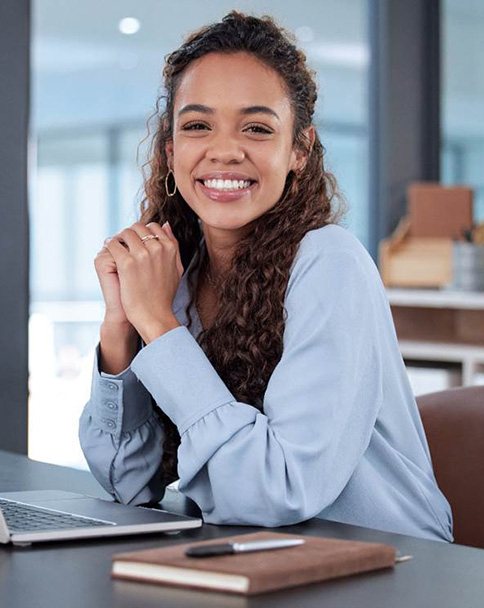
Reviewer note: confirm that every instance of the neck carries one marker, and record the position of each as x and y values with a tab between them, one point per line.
221	245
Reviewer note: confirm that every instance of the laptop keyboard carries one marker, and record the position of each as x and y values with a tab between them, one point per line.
22	518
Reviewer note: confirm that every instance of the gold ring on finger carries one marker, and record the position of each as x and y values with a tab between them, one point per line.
149	237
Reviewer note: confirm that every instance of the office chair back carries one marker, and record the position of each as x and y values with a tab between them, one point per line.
454	425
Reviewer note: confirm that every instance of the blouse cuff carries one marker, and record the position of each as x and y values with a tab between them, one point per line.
178	374
109	395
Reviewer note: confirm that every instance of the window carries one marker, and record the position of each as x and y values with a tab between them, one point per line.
463	97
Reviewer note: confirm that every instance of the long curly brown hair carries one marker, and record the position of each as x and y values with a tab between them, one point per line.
245	342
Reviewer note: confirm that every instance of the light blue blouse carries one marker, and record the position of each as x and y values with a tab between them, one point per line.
340	437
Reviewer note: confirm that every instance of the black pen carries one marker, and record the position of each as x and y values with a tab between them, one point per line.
229	548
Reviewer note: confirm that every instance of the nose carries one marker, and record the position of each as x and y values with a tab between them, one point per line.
226	149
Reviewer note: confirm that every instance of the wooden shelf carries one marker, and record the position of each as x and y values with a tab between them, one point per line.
471	358
436	351
441	326
433	298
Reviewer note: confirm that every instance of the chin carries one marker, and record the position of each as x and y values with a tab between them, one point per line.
225	221
232	225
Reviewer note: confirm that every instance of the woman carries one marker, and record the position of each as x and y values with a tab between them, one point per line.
267	376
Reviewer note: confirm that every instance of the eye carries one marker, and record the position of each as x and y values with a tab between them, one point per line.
259	130
194	126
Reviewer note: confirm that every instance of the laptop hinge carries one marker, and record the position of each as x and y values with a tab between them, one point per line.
4	533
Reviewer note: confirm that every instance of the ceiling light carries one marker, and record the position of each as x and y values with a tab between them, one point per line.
129	25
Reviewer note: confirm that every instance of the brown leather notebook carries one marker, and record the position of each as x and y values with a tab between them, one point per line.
318	559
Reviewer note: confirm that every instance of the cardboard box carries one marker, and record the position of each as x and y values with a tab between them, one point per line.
416	262
439	211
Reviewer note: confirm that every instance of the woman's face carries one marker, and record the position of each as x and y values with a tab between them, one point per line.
232	139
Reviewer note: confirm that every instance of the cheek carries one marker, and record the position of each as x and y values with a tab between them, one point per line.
277	166
184	155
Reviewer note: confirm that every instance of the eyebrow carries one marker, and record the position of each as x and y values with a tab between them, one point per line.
198	107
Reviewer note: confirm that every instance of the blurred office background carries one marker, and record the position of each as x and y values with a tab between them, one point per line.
95	76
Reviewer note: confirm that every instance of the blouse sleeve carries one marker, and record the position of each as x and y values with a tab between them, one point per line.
122	437
290	462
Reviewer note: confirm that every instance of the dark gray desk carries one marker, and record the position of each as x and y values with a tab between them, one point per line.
77	574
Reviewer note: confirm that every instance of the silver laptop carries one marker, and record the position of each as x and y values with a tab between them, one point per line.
46	515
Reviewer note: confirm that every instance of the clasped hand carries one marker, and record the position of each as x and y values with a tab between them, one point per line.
139	279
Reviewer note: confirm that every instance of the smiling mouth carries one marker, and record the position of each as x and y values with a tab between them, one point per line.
227	185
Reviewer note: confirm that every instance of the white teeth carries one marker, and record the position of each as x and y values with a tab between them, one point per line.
226	184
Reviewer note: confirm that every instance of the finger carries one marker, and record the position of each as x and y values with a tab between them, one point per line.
141	230
158	231
118	251
104	259
104	249
165	237
179	265
167	228
165	232
133	240
152	229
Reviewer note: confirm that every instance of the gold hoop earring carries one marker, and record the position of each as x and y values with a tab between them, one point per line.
167	188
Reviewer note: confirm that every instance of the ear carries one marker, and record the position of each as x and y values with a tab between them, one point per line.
299	156
169	152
